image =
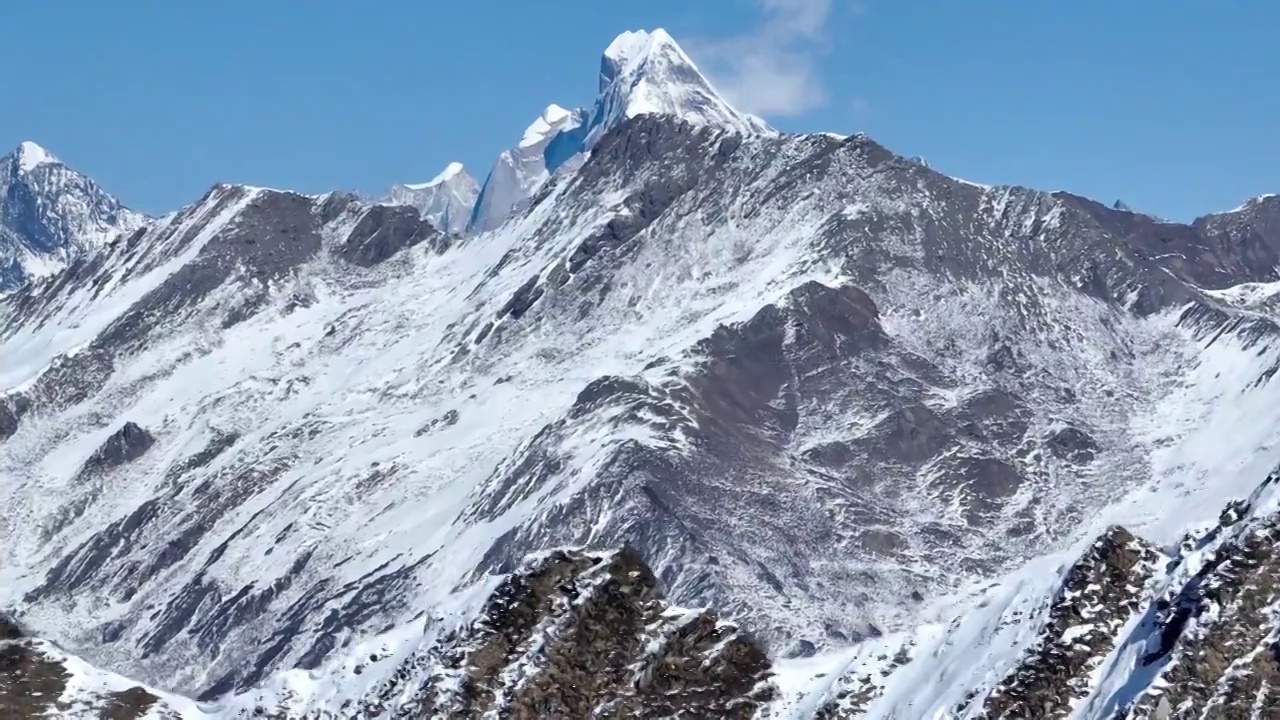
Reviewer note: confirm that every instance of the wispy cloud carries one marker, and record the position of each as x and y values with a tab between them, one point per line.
859	107
773	70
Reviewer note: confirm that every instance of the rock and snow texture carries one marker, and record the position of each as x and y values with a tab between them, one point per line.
874	413
569	634
51	215
446	201
640	73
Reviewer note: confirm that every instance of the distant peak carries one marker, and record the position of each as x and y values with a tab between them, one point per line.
30	156
646	72
552	120
1252	203
554	114
451	171
633	49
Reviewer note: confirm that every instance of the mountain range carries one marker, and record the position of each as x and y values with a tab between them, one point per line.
674	416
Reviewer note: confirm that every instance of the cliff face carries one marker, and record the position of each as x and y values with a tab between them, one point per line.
569	635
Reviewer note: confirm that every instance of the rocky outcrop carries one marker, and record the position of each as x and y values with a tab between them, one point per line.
571	634
36	682
578	634
857	690
1217	639
1100	593
12	407
125	445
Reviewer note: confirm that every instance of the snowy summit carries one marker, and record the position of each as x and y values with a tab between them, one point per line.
445	200
641	72
51	217
548	123
31	156
450	171
647	72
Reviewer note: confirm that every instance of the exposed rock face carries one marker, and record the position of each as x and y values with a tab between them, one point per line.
1100	594
855	691
570	635
12	408
35	682
586	635
1217	650
125	445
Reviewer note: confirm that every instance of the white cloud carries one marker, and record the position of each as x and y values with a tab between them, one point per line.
773	69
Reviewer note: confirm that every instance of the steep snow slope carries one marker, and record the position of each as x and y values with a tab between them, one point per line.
877	413
445	201
51	215
663	348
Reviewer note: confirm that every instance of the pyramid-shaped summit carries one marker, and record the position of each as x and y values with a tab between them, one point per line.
28	156
641	72
647	72
50	215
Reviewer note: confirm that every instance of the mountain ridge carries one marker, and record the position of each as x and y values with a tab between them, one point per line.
832	393
641	72
446	200
50	215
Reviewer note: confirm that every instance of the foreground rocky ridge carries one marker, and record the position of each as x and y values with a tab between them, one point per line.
570	635
1131	631
1189	633
36	682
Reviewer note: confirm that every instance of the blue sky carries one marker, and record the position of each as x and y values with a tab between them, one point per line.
1171	106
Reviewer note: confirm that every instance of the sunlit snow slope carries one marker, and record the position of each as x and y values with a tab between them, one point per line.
872	412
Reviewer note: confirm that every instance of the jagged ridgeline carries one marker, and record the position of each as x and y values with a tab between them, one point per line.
904	446
582	635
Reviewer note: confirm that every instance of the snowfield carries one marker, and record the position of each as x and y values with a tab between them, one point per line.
281	451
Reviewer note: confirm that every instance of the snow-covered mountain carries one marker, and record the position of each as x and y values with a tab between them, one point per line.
50	215
640	73
937	449
520	171
647	72
446	201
